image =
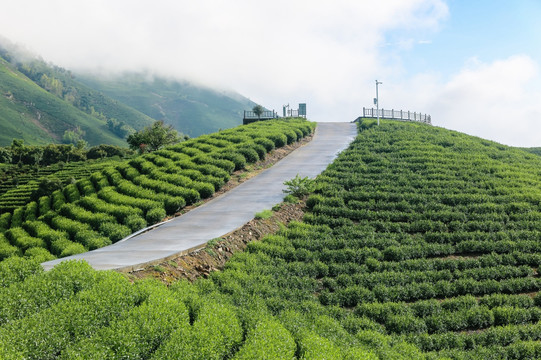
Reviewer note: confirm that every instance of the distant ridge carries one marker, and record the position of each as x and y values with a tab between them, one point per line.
40	101
190	108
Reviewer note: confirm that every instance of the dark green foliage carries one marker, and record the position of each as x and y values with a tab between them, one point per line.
266	143
174	204
71	193
44	205
91	239
155	215
21	239
135	222
114	231
153	137
5	221
6	249
249	154
18	217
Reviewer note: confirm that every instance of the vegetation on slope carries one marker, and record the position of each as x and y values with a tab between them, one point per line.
119	118
191	109
39	117
421	243
124	197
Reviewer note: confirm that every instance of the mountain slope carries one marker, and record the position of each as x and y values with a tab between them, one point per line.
191	109
29	112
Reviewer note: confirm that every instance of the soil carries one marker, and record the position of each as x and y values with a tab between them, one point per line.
214	256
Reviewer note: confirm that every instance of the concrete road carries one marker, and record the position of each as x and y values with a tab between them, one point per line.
225	213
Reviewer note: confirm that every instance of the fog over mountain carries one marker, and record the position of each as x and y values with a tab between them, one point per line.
433	56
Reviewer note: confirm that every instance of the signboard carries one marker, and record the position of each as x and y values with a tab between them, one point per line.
302	109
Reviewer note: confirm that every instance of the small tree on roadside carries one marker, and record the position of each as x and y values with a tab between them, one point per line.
258	110
299	186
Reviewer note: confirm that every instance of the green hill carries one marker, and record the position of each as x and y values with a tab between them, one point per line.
418	243
31	113
121	119
191	109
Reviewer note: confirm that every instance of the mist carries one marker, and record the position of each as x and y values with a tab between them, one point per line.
325	54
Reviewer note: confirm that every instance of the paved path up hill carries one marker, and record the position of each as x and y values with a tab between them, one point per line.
225	213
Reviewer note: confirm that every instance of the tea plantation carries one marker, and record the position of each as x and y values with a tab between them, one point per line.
419	243
124	197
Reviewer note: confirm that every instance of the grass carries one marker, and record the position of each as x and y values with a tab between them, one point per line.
263	215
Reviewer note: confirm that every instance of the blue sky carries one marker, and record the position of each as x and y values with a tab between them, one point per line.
473	65
483	29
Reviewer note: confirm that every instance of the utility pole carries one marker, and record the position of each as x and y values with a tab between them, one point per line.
376	100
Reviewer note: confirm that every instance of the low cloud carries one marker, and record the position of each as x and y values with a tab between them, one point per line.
497	100
323	53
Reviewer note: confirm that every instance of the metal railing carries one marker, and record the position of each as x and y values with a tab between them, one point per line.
248	114
397	115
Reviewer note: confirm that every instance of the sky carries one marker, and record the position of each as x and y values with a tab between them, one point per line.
474	66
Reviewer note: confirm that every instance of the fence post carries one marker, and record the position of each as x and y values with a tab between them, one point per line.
392	113
364	114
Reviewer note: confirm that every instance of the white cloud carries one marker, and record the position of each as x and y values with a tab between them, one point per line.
497	100
320	52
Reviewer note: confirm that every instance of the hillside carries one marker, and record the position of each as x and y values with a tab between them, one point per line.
191	109
39	117
418	243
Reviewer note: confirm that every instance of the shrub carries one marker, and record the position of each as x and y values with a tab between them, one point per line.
94	219
73	249
155	215
44	205
214	335
268	340
266	143
18	217
204	189
72	227
112	196
265	214
249	154
237	159
38	254
21	239
41	230
99	180
114	231
135	222
5	221
92	239
17	269
31	211
120	212
58	200
71	193
278	139
312	346
173	204
7	250
298	186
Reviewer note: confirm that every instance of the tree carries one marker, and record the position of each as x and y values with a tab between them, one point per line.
17	148
73	136
258	110
154	137
5	156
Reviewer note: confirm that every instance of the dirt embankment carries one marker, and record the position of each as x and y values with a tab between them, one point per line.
214	256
